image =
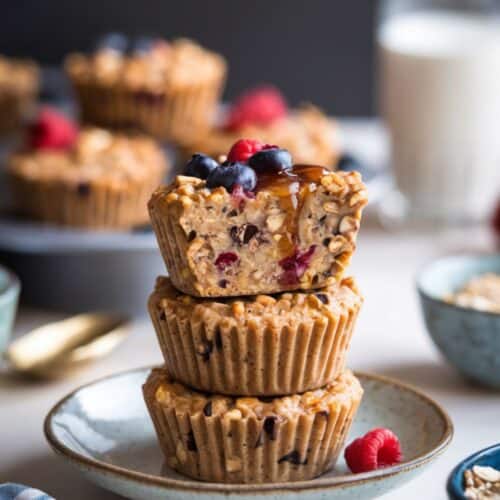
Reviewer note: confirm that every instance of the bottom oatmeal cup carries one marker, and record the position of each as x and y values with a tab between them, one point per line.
251	440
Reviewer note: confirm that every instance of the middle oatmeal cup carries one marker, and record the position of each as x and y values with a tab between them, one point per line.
256	345
251	440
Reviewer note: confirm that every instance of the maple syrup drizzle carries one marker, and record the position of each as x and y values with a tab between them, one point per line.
291	187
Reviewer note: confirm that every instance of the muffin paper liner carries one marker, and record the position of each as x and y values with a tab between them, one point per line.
87	205
166	115
243	450
216	353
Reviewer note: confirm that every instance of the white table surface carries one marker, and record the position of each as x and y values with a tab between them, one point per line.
390	339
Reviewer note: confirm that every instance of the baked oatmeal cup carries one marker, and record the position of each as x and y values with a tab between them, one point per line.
256	345
309	135
19	81
99	180
251	440
160	89
246	230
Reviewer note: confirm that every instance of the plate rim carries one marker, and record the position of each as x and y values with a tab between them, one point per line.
187	484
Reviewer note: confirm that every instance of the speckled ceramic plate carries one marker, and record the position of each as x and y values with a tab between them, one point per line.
104	430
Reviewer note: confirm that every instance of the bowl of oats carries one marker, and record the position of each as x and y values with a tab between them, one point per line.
477	477
460	299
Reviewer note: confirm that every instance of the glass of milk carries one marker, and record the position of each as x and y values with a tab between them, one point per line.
439	89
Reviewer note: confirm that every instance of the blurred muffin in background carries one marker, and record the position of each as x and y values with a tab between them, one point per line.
262	114
91	178
19	82
148	84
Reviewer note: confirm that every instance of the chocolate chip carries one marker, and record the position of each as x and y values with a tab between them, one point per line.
83	189
243	234
207	409
326	242
223	283
232	213
266	399
224	210
191	442
207	348
191	235
250	232
218	340
260	440
163	316
322	220
322	297
234	233
323	413
270	427
293	457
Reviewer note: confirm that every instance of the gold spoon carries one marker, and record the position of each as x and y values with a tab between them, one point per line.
57	347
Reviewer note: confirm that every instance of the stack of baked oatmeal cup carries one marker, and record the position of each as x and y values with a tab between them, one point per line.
256	318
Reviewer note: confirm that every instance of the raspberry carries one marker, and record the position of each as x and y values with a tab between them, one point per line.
225	259
260	106
378	448
52	130
243	149
295	266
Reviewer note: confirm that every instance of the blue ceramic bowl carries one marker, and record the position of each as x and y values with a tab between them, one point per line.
468	339
9	294
487	457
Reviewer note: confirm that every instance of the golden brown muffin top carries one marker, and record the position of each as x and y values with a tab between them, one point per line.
167	393
325	303
306	132
97	156
176	64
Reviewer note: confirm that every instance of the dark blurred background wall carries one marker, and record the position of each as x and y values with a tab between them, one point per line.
318	50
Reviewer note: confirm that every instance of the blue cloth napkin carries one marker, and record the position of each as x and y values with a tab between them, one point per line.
12	491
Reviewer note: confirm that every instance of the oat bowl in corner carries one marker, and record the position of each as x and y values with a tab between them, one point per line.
460	297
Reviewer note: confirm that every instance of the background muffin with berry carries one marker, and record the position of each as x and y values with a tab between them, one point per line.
262	113
90	178
148	84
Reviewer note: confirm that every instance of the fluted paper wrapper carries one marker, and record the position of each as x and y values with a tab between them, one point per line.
165	115
91	205
211	353
218	449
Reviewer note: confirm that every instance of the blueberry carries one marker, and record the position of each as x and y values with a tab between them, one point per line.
270	160
115	41
143	44
348	163
200	166
233	174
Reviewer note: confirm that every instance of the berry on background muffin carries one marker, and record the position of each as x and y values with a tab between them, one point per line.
19	82
148	84
91	178
256	223
258	344
251	440
262	113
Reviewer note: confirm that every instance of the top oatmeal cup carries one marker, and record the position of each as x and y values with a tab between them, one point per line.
256	224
